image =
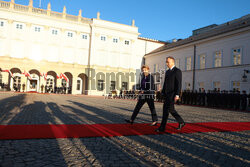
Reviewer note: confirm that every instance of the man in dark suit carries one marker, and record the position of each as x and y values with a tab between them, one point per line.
171	90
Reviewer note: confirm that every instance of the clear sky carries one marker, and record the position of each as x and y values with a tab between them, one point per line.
156	19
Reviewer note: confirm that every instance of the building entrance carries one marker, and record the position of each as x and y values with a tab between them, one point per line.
33	85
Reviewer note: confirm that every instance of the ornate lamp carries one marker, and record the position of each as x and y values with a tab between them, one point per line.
244	77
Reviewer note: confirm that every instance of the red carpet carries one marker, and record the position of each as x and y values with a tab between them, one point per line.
110	130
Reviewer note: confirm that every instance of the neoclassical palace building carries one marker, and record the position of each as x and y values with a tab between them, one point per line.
45	49
216	57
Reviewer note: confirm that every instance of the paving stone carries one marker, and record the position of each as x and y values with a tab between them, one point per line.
197	149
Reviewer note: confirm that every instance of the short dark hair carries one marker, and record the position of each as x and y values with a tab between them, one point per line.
170	57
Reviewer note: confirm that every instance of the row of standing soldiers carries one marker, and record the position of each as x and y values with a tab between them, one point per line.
123	94
218	99
128	94
58	90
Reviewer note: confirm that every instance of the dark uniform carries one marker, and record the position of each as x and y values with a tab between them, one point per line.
243	100
237	102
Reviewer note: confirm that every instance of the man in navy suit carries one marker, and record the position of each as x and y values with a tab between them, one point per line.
171	91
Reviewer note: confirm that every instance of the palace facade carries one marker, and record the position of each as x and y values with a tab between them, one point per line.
42	50
216	57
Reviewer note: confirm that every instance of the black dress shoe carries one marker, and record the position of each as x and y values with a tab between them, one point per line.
160	130
181	125
129	121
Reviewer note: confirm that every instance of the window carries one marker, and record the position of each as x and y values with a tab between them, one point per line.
84	36
78	85
237	56
202	61
50	83
217	59
187	86
236	85
1	23
188	63
54	32
156	68
126	42
70	34
216	86
201	85
177	63
64	83
115	40
100	86
112	85
17	82
19	26
124	85
157	77
103	38
37	29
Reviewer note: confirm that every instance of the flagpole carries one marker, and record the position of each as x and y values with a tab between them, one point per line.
40	4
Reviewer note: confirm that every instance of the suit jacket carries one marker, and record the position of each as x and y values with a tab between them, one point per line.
149	86
172	82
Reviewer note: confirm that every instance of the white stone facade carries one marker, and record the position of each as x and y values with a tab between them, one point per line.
206	74
58	42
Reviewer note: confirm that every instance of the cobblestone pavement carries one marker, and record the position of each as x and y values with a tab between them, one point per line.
197	149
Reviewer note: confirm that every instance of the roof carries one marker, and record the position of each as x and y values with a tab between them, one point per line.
213	31
152	40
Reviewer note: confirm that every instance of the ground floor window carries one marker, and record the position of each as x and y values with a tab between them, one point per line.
49	82
112	85
17	83
100	86
201	85
49	86
78	85
187	86
124	85
157	77
33	84
216	86
236	85
64	83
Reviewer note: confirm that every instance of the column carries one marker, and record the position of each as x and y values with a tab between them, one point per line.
74	84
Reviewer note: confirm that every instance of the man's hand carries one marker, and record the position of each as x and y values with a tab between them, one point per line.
176	98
